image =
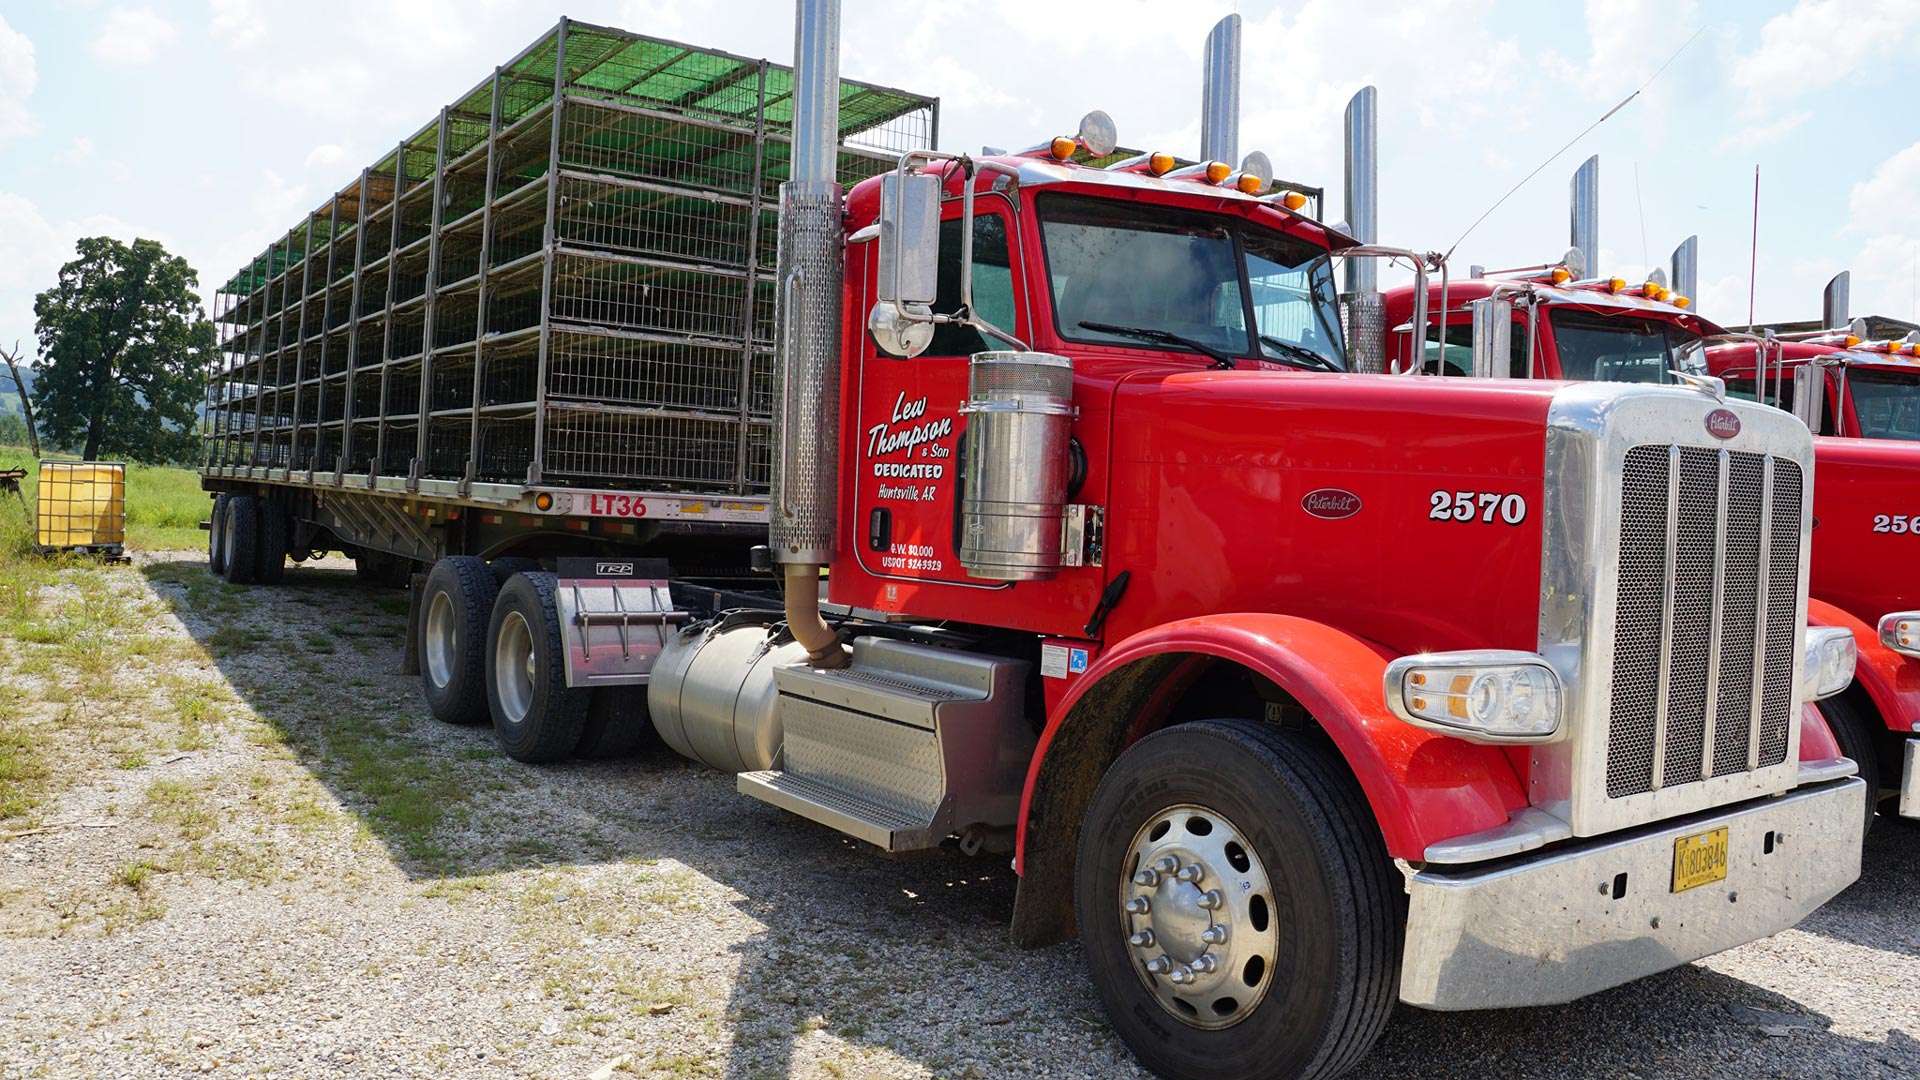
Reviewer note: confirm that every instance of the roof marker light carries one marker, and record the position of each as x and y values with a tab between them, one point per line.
1616	285
1218	171
1852	340
1292	200
1062	147
1160	163
1679	301
1560	275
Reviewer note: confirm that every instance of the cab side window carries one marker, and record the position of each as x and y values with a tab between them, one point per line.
992	287
1456	356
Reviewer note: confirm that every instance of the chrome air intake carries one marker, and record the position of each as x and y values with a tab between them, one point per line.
1673	583
1019	417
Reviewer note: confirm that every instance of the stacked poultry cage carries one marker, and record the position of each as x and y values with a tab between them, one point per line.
566	278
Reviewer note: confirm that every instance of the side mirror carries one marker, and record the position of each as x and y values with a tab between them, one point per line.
1691	357
909	263
1492	338
1810	395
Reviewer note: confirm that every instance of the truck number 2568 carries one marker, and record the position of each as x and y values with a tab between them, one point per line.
1467	505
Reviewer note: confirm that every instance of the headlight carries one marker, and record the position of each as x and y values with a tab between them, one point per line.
1481	695
1900	632
1827	668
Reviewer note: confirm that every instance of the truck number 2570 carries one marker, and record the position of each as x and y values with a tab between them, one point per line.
1465	506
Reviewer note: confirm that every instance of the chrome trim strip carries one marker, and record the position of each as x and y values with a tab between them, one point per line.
1763	583
1819	772
1910	782
1528	829
1662	689
1718	612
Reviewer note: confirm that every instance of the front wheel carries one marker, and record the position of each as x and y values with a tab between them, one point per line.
1236	905
1858	734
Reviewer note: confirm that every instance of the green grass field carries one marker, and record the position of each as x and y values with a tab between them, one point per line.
164	506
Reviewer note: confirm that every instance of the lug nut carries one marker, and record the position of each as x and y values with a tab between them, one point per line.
1210	899
1168	864
1180	976
1193	872
1141	940
1205	964
1159	965
1214	935
1138	906
1146	879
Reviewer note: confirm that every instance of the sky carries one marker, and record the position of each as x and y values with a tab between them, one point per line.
214	125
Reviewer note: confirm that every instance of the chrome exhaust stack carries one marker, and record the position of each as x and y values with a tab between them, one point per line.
1836	300
1686	270
1583	206
1220	93
807	426
1363	307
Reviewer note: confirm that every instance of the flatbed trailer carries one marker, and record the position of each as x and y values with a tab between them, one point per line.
542	324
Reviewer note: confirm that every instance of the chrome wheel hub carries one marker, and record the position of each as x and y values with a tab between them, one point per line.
442	640
1196	907
513	667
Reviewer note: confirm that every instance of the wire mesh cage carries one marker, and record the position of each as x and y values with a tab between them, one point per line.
81	505
591	231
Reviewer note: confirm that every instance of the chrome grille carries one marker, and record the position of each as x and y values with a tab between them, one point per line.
1702	533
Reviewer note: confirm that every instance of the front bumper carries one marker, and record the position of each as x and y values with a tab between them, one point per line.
1546	928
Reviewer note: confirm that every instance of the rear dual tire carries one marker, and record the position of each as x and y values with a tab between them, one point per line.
537	717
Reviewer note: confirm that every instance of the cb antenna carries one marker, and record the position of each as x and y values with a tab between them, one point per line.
1551	158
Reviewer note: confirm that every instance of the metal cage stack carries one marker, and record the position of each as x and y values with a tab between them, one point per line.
566	278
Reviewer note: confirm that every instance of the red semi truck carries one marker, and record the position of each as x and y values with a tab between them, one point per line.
1551	321
1293	692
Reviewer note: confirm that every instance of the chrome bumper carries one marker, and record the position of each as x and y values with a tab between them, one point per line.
1548	928
1910	781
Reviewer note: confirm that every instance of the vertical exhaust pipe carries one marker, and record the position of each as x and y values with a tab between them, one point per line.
1220	94
1836	300
1583	204
1685	270
801	529
1366	313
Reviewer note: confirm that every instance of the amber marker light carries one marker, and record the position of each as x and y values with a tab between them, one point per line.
1160	164
1561	275
1293	200
1249	184
1679	301
1218	171
543	501
1062	147
1616	285
1851	341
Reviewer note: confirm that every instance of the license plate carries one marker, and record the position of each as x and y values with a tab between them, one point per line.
1700	859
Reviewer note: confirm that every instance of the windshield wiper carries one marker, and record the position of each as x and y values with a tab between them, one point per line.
1308	359
1163	337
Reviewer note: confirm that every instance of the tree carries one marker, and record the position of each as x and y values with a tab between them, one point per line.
124	351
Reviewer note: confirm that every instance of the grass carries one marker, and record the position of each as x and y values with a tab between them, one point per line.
23	769
164	505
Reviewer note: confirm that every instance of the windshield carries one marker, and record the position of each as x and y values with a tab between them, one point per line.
1611	348
1886	403
1198	277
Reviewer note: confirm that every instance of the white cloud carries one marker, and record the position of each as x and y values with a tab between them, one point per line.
1764	132
326	156
1884	210
78	152
1818	43
238	23
132	36
18	76
32	250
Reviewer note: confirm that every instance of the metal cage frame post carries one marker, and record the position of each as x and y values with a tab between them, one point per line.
386	317
536	468
326	335
354	315
431	303
300	348
481	293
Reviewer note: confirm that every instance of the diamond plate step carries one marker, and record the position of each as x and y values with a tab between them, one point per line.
837	809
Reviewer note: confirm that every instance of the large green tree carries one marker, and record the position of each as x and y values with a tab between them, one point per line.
124	351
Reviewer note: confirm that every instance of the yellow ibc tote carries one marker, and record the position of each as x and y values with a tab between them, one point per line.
81	504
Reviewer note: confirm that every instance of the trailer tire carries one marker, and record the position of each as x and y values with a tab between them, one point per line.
508	565
271	568
455	607
1856	733
618	724
216	536
1306	973
241	539
537	717
381	570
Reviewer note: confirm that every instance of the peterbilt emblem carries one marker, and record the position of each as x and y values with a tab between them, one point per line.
1723	424
1330	504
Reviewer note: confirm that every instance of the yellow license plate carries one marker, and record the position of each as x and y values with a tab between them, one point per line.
1700	859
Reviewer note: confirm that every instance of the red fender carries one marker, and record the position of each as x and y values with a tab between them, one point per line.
1423	787
1891	681
1816	738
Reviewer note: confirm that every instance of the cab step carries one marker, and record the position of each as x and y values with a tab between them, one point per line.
904	747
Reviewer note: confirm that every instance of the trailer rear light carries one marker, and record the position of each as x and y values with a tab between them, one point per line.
1828	665
1480	695
1900	632
543	502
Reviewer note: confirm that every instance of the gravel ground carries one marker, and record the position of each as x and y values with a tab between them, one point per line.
261	857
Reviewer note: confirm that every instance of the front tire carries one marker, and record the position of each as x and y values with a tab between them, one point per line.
1236	905
1859	739
455	608
537	717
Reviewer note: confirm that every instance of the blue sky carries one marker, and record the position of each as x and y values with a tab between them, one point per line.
212	125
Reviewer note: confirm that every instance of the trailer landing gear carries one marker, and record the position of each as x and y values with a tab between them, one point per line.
1236	904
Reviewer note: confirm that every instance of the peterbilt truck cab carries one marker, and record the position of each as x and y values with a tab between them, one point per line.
1108	531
